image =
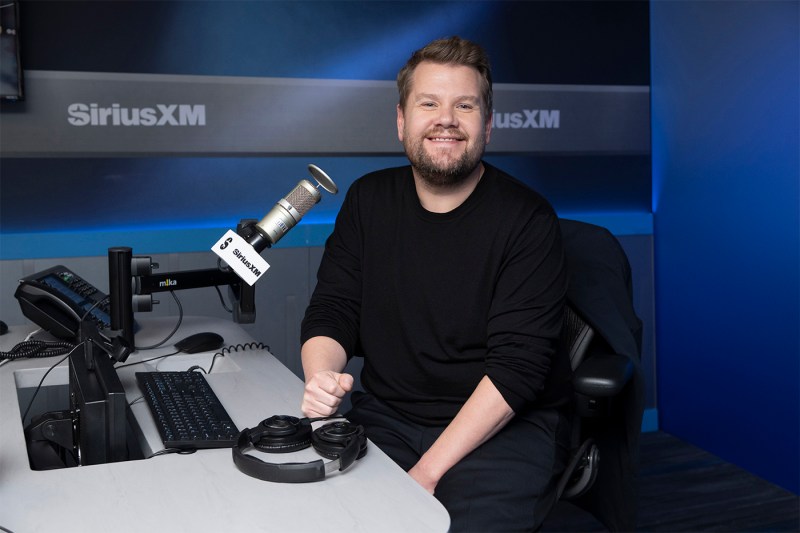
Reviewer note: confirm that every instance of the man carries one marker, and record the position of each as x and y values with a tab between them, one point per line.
448	278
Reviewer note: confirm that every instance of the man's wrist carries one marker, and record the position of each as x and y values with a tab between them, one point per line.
428	469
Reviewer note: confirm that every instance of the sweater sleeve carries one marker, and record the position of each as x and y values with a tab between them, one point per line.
336	302
526	314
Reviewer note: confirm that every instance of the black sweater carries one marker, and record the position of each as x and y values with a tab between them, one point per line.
434	302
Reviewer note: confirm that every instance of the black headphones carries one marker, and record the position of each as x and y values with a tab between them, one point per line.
340	441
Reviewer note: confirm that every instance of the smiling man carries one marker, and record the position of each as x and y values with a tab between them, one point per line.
448	277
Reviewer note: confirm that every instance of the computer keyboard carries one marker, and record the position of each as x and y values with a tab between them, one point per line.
187	412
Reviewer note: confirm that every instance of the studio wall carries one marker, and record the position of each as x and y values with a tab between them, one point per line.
264	72
726	202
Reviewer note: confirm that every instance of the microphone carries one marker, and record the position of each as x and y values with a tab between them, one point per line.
241	251
290	209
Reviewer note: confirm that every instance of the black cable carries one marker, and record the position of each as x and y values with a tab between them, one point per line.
230	349
39	386
222	300
222	353
72	349
245	346
175	329
180	451
198	367
147	360
137	400
213	360
37	348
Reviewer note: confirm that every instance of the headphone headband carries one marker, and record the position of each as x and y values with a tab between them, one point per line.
340	441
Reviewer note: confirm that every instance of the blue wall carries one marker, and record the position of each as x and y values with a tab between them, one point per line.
725	197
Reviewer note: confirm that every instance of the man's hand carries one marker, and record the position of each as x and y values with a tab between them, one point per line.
324	392
323	361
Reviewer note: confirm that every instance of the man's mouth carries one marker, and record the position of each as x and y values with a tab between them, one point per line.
444	139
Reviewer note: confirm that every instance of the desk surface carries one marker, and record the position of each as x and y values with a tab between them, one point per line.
203	491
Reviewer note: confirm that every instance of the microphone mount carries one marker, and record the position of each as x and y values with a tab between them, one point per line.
132	284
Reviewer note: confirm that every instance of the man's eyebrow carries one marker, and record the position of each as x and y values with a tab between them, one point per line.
463	98
469	98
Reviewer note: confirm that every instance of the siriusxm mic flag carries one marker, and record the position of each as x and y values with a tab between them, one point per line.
241	257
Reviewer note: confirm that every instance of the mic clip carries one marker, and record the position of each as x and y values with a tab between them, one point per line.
247	229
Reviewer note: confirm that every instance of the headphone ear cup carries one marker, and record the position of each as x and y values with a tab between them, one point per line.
334	438
282	434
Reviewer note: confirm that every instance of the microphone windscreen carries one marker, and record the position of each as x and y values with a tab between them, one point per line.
303	197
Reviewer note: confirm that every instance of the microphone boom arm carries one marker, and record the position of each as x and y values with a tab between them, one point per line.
132	284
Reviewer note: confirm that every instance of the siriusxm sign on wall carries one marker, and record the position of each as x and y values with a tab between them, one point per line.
110	114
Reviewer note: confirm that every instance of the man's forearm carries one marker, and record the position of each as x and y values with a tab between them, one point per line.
322	353
482	416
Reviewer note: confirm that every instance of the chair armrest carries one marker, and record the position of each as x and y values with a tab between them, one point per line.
602	375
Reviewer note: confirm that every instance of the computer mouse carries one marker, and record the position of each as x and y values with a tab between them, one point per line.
200	342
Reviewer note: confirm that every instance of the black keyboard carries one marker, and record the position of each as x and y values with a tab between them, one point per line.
187	412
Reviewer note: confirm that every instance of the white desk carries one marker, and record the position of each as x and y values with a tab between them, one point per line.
203	491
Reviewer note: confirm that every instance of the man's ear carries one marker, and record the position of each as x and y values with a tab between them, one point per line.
401	121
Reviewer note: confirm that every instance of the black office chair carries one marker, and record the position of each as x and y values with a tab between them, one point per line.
602	335
597	380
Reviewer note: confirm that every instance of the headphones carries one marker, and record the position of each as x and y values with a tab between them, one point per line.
340	441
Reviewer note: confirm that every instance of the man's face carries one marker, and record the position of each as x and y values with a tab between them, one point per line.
441	125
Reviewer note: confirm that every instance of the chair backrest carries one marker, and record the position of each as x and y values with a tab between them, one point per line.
605	353
576	336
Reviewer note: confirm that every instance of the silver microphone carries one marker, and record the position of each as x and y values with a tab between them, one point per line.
290	209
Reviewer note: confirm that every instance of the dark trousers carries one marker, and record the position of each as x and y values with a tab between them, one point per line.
506	484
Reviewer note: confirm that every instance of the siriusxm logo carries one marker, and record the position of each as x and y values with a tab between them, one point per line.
527	118
243	258
116	115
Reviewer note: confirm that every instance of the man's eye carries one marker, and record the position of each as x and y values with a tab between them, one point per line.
466	107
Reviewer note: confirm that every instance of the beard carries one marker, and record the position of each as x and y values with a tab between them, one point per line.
446	172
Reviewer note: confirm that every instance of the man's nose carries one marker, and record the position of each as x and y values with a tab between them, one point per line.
447	117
